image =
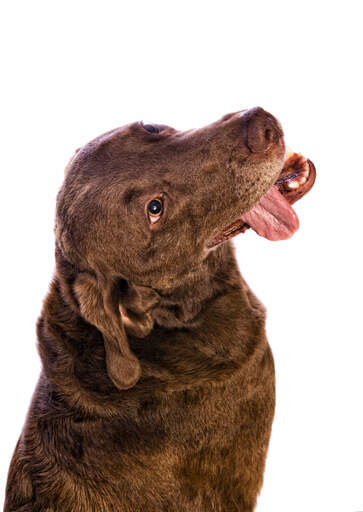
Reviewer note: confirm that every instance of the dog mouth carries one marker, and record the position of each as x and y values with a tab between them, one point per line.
273	217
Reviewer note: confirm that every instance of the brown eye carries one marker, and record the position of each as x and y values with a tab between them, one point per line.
155	209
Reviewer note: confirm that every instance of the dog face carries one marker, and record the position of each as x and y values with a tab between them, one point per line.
140	208
143	201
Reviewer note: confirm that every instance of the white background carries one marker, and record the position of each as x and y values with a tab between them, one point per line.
72	70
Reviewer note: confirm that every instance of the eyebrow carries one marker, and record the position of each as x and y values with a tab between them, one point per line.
130	194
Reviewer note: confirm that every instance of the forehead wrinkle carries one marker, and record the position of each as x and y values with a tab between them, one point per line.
180	187
131	193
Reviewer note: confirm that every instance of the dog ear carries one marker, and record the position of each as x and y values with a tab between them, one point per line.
135	307
99	302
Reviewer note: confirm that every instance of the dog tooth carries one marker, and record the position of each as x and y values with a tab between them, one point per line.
301	179
293	184
305	173
289	152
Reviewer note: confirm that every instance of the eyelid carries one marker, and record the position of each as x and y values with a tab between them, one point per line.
154	218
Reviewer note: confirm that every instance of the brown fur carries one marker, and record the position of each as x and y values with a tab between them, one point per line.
157	388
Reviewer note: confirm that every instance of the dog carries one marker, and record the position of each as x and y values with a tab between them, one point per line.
157	389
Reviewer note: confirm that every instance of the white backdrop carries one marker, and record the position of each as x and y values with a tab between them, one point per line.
74	69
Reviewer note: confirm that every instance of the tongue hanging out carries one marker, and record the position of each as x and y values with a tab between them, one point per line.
273	217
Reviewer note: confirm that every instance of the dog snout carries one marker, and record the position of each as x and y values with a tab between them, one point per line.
262	129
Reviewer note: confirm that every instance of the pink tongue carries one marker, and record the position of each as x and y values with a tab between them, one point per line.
273	216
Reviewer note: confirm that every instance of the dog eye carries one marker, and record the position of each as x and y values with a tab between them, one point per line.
152	128
155	209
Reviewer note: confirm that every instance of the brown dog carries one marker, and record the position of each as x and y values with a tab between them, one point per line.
157	389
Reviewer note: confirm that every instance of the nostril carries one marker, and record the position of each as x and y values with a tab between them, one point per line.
268	135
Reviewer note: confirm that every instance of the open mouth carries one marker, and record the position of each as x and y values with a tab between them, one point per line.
273	217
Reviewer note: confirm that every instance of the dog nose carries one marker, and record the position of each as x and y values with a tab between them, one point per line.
262	129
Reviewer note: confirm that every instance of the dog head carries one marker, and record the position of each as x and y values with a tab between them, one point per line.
139	207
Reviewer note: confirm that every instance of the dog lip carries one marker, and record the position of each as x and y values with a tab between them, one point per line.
297	169
299	172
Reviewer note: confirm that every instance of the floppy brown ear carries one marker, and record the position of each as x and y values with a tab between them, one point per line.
99	302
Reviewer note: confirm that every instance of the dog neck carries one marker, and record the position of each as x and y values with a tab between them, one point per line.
181	306
192	318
